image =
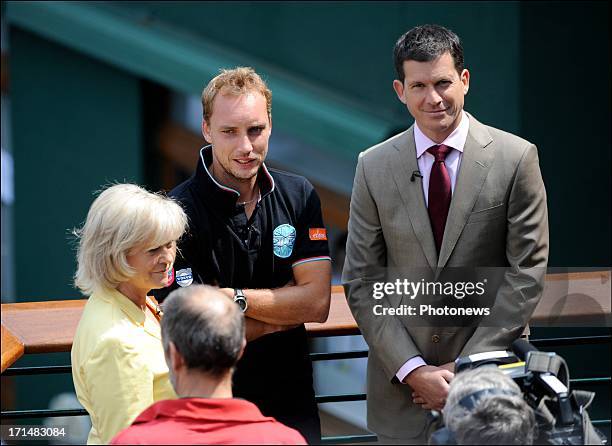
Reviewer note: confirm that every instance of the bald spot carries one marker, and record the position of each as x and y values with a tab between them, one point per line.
214	306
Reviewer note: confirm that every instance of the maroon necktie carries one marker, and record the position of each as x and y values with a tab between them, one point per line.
439	196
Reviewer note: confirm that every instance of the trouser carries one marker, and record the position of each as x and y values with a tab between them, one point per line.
422	438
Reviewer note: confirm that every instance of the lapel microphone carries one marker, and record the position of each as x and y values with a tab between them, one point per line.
416	173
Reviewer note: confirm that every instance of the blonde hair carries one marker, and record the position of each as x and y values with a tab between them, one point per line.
237	81
121	218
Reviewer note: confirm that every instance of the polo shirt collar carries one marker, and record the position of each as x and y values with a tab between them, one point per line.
223	195
209	409
131	310
128	307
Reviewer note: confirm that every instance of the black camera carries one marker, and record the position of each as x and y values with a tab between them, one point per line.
543	378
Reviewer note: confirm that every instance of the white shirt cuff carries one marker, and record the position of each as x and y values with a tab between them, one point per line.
409	366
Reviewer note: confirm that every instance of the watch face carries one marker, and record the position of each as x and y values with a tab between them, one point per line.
242	303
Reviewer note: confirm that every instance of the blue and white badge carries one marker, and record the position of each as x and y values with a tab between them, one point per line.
184	277
283	239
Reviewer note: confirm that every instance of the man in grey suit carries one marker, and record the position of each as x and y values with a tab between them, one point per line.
447	193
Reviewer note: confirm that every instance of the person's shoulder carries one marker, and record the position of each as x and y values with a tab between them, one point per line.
101	347
187	196
146	429
183	193
129	435
389	145
284	178
96	320
267	429
278	433
508	138
290	184
118	341
509	141
99	317
106	327
134	434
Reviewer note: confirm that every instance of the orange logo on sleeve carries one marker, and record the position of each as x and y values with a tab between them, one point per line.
317	233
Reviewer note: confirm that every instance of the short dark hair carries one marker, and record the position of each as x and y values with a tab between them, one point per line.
206	328
425	43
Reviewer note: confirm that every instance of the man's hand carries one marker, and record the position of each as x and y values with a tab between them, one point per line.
450	366
430	385
255	329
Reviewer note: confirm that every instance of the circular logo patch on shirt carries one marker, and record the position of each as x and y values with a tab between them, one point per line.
283	239
184	277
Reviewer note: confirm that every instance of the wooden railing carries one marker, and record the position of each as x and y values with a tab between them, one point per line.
47	327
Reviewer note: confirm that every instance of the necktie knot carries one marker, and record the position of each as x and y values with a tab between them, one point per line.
439	152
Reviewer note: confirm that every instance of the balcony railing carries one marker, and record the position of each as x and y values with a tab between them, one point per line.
48	327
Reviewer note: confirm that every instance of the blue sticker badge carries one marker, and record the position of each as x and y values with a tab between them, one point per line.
283	239
184	277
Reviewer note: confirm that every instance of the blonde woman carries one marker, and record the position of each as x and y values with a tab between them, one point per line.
127	247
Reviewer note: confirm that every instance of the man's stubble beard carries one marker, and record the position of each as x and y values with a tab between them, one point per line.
229	174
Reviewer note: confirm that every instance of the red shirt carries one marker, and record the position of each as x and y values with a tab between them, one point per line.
206	421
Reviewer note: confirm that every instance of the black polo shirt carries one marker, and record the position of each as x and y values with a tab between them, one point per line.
224	249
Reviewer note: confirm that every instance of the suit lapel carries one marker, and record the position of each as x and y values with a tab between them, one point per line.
403	163
475	165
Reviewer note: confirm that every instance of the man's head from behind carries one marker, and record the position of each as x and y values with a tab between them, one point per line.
431	79
485	406
202	333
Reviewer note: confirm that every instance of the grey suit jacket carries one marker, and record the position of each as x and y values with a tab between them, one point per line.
497	218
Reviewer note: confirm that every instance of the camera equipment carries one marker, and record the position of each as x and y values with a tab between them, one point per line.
543	378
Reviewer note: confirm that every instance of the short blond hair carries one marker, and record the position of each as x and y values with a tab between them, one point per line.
237	81
121	218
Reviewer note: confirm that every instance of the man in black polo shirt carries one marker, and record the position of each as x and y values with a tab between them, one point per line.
258	234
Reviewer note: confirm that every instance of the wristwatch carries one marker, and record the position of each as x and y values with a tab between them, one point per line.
240	299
